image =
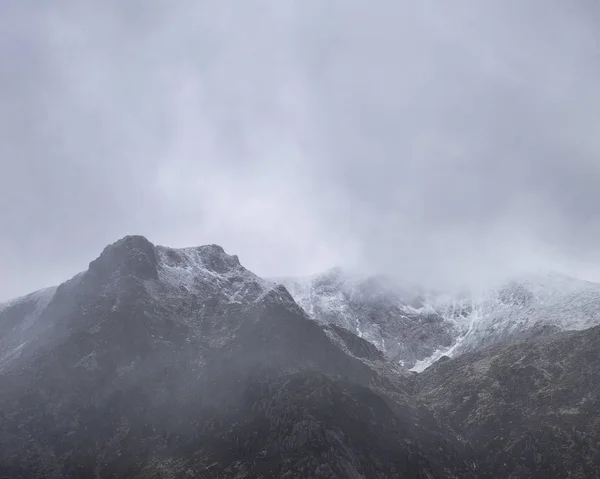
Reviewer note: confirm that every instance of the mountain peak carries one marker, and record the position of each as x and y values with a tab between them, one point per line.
212	258
131	255
136	255
215	258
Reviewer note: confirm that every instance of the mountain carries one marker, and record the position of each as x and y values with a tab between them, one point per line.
160	362
166	363
397	319
530	409
415	326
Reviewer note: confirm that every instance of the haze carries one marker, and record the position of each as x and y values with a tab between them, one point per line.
443	142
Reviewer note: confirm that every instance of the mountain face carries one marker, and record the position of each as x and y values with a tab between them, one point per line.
414	327
395	319
157	362
530	410
160	362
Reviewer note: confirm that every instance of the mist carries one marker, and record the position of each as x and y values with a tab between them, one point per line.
440	142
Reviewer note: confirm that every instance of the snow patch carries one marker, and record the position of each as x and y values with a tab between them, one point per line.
190	270
520	306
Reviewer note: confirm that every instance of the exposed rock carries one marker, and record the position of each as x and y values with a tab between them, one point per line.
414	326
204	370
378	310
133	255
181	363
530	410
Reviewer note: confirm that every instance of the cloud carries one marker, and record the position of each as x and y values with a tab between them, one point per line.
440	141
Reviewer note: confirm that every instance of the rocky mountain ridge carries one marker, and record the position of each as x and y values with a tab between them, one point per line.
175	363
157	362
415	326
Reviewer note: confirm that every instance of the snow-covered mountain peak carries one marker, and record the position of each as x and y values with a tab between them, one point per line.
209	270
188	284
210	258
519	308
206	271
393	316
410	324
416	325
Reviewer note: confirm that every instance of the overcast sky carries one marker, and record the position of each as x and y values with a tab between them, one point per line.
440	140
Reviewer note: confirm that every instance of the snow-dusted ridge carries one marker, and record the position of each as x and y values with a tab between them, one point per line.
416	327
208	269
396	318
205	271
187	267
187	284
411	325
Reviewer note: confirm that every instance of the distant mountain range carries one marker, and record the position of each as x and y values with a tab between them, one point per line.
159	362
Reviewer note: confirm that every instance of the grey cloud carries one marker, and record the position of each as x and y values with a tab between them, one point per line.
443	141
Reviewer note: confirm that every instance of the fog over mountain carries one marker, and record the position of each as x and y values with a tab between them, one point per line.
160	362
440	142
414	327
357	239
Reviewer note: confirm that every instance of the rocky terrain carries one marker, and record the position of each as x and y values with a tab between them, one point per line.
397	319
181	363
415	326
168	363
530	409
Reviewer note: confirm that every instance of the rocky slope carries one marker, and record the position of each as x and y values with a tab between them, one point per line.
394	318
158	362
415	326
530	410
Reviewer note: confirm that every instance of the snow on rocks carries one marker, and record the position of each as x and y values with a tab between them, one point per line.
416	327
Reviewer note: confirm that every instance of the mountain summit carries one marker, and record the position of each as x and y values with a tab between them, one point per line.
415	326
159	362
